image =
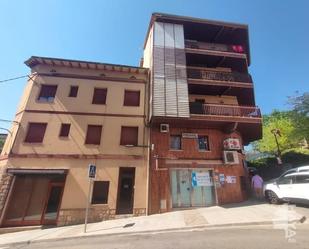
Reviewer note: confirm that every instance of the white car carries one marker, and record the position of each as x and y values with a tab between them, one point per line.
291	186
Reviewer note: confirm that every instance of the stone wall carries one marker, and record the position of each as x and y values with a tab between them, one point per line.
5	184
96	214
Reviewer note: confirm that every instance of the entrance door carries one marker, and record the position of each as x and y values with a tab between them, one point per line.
125	197
53	201
186	193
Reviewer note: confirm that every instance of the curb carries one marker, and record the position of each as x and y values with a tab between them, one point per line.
228	225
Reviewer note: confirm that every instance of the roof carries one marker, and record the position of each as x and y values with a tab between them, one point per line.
163	17
36	60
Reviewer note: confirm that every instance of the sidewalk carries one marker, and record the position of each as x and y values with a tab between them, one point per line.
246	213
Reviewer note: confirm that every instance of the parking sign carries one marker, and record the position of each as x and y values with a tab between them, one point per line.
92	171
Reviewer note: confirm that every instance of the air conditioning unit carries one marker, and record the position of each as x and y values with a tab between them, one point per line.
231	144
164	128
230	157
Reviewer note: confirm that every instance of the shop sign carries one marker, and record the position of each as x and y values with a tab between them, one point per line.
189	135
231	179
200	179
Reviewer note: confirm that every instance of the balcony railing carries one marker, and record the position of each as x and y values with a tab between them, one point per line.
215	46
207	74
225	110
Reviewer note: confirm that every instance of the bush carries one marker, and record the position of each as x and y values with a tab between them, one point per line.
268	167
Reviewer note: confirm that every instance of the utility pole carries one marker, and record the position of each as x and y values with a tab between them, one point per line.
276	133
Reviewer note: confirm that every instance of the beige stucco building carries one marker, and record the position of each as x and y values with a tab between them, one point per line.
72	114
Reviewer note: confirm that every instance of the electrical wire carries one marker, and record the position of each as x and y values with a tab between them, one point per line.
16	78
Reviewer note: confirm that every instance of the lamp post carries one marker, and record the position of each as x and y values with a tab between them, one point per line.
276	133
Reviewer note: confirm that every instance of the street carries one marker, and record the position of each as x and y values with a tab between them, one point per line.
253	237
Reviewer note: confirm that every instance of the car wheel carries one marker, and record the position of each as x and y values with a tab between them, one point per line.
272	197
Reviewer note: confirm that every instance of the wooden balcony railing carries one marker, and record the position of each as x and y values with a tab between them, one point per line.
215	46
207	74
225	110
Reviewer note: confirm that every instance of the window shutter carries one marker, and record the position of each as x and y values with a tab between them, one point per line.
100	192
129	135
99	96
94	134
73	91
36	132
65	130
131	98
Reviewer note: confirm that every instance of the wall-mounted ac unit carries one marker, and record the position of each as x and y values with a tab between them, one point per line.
231	144
230	157
164	128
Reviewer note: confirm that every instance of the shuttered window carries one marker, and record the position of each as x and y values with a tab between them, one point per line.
129	135
93	134
64	130
131	98
100	192
35	132
73	91
47	93
99	96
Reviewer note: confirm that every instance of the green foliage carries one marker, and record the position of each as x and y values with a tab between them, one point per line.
277	120
293	126
268	167
1	144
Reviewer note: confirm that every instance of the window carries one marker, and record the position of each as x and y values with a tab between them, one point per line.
129	135
35	133
302	179
64	130
100	192
175	142
93	134
47	93
203	143
286	179
99	96
131	98
73	91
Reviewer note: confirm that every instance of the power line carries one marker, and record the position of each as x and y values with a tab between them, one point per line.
16	78
8	121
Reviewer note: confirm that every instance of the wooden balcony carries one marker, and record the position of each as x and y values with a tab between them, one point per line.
225	110
211	75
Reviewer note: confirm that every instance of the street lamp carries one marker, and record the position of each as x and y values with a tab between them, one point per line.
276	133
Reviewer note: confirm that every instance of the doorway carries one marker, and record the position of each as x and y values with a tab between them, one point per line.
125	198
192	188
35	200
52	205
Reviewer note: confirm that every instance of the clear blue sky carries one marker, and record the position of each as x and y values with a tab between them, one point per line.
114	32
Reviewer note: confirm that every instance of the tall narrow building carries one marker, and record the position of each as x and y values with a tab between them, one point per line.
201	111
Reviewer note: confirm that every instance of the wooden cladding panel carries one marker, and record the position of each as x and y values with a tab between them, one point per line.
170	91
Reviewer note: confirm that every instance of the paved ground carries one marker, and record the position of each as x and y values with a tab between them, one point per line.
231	238
237	214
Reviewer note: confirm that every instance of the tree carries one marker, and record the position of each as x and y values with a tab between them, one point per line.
293	126
284	123
300	103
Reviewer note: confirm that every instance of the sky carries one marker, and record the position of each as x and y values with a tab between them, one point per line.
114	32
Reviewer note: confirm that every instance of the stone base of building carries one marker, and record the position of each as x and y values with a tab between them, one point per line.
96	214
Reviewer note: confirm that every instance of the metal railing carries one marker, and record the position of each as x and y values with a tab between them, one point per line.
225	110
207	74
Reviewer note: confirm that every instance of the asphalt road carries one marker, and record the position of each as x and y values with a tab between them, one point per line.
254	237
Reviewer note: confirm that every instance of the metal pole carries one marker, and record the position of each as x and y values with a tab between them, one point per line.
87	205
